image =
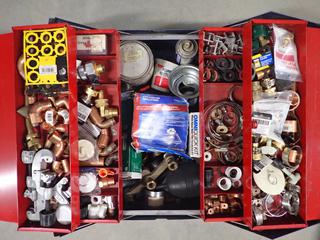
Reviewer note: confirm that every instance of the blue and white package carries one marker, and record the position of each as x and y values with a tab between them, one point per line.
160	124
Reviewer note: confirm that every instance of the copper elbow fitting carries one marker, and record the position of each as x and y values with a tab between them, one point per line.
20	66
62	102
104	138
106	182
36	110
98	120
63	128
57	168
108	150
55	138
58	149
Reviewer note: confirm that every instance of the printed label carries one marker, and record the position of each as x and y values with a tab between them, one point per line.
262	123
65	115
290	126
83	112
49	117
194	135
48	70
262	62
92	44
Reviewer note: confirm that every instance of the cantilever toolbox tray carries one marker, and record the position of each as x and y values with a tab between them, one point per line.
13	171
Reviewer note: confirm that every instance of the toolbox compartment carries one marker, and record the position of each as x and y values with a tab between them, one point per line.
13	171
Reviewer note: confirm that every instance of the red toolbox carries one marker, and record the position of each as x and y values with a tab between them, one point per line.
14	172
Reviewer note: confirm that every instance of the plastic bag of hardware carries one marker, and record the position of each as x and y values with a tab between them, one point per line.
285	55
160	124
269	115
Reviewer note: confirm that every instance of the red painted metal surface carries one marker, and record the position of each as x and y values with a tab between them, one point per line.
313	124
111	84
8	158
299	29
211	93
18	94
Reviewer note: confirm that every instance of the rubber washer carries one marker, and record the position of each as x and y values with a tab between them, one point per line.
58	33
31	35
30	60
60	49
222	64
46	37
45	47
29	51
229	76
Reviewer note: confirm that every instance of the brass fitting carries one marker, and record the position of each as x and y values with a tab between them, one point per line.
99	163
111	112
65	166
106	182
98	120
104	138
108	150
90	93
32	138
101	103
36	110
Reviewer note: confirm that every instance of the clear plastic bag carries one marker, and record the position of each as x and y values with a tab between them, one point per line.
285	55
270	113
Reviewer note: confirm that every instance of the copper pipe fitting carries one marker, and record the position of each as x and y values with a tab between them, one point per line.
101	103
111	113
104	138
106	182
99	163
58	149
20	66
62	102
108	150
36	110
98	120
48	144
57	168
55	138
65	166
31	99
63	128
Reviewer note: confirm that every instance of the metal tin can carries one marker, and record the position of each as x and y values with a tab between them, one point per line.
184	81
162	70
137	63
186	50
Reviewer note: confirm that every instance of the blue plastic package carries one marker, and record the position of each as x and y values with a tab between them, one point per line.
160	124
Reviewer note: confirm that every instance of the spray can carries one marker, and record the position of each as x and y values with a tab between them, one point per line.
186	51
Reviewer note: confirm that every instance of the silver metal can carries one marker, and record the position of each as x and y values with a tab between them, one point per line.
137	62
184	81
186	50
